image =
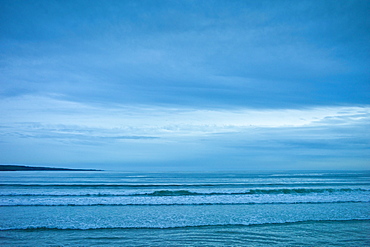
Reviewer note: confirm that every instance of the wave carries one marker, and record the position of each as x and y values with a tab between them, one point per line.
175	204
192	193
212	185
250	192
44	228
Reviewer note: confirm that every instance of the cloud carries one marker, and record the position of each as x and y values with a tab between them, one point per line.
215	54
122	133
219	82
59	112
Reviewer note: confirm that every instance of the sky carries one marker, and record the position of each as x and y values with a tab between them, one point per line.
185	85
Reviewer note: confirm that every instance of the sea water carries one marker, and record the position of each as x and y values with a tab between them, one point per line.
64	208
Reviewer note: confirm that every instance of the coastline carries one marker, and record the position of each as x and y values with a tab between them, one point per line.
35	168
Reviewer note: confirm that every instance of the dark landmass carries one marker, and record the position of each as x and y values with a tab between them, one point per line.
34	168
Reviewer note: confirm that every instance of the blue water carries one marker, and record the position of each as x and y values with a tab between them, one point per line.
43	208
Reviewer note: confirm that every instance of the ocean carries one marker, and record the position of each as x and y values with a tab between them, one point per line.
103	208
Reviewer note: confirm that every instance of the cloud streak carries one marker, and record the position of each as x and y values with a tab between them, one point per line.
143	134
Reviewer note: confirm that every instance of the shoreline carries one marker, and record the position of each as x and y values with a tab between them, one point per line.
35	168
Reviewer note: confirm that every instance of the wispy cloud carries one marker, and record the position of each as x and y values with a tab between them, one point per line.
44	111
125	132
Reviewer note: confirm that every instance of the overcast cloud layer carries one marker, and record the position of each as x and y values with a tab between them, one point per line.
185	85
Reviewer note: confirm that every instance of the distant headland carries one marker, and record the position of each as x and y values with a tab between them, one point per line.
35	168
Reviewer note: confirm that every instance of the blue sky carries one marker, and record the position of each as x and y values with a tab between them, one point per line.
185	85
